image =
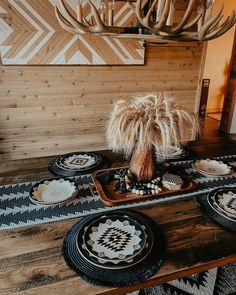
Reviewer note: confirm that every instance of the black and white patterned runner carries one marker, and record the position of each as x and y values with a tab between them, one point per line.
16	209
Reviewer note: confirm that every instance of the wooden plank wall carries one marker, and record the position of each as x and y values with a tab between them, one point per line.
49	110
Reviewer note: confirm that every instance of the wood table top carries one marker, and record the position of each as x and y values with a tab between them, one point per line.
31	260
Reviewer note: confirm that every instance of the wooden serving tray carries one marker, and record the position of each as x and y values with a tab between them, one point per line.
110	197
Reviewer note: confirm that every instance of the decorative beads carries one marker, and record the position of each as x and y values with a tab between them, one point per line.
138	188
124	182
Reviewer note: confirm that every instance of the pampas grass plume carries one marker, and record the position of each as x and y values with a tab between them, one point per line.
154	119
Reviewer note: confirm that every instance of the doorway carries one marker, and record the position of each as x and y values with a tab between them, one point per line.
217	68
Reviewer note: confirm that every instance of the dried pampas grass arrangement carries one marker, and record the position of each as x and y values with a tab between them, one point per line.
154	120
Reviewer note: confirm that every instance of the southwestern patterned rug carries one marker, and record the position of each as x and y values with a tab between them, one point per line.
217	281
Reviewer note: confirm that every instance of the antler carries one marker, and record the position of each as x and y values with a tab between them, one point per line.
157	19
209	28
83	26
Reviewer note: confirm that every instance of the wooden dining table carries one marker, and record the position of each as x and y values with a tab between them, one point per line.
30	257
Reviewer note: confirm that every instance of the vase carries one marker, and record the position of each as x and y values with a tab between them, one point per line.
142	163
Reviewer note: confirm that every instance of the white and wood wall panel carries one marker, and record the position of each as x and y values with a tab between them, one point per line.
30	34
49	110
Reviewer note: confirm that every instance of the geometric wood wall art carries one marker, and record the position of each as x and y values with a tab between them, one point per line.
31	35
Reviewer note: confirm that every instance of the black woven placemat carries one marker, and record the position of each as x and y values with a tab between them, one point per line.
218	216
56	170
115	277
16	209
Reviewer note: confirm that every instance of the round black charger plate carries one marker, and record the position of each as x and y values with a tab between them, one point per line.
133	274
206	204
54	167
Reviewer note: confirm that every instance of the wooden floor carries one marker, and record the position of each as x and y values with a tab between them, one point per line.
216	116
211	128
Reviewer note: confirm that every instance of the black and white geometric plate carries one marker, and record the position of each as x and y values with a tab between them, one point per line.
125	272
77	163
220	205
225	201
115	241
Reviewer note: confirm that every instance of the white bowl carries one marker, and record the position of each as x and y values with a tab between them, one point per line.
212	167
173	152
54	191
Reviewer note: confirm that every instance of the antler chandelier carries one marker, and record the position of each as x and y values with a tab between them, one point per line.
156	21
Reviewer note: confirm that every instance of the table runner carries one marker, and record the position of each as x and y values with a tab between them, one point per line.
16	209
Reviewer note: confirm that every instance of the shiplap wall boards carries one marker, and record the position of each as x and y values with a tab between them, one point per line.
51	110
31	35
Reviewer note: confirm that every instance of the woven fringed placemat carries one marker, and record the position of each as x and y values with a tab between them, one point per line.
223	213
77	165
108	276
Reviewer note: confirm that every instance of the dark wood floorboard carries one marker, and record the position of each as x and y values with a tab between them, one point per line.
211	129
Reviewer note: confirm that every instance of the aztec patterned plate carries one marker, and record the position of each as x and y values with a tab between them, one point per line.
115	241
224	201
114	238
53	191
212	167
220	205
77	163
117	277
